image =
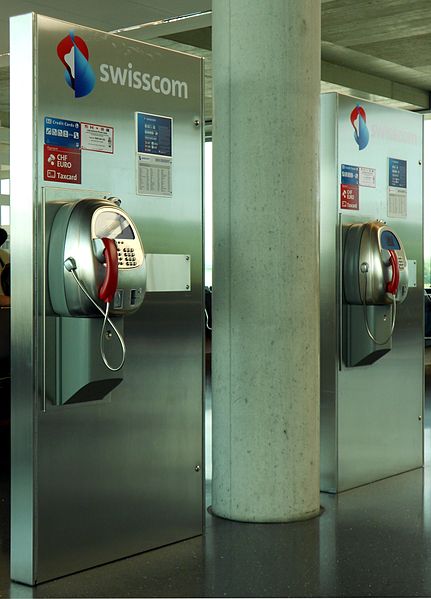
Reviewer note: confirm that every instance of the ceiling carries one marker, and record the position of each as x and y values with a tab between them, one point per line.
381	46
99	14
375	49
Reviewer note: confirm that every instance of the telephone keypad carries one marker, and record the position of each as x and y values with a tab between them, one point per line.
126	256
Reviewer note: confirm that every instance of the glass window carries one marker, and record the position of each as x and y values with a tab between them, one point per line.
427	203
4	186
112	225
208	213
4	215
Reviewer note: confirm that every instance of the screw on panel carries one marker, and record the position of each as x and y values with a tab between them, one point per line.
187	286
187	257
197	468
420	417
108	334
419	162
196	122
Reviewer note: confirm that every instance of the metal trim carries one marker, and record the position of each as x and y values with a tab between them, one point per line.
24	314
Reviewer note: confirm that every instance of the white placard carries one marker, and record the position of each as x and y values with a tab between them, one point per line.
97	138
168	272
412	273
154	175
367	176
397	202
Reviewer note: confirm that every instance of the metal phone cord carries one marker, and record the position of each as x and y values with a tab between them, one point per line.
367	326
70	266
207	320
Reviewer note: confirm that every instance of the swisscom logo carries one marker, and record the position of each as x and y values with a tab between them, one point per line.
358	118
79	75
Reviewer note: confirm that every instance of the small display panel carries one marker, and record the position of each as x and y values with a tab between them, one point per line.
154	134
389	241
113	226
397	173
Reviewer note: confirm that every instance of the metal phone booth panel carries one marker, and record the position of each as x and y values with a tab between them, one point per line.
371	273
106	177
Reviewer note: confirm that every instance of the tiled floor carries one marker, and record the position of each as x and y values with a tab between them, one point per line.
372	541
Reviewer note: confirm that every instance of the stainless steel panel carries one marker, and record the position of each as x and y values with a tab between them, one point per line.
329	291
373	413
25	349
121	476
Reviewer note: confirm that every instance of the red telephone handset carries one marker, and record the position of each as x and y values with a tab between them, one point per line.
392	286
110	283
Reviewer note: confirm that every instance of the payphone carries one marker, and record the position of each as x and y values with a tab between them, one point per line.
371	295
375	279
96	268
100	474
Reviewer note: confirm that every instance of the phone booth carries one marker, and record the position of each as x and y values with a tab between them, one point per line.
371	285
106	196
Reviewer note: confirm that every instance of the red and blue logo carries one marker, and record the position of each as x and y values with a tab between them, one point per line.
358	118
79	75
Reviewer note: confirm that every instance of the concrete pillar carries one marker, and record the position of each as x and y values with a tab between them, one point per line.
266	70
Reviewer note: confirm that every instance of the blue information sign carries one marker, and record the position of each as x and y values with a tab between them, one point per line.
397	173
59	132
154	134
349	174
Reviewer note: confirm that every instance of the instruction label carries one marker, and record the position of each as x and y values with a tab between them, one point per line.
61	164
397	202
397	188
153	134
154	176
60	132
97	138
349	174
349	197
397	173
153	155
367	176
